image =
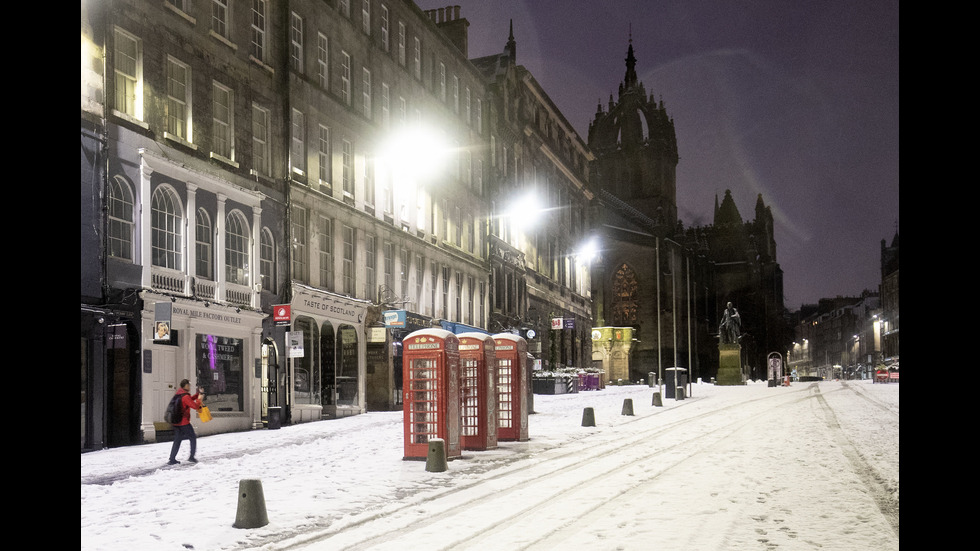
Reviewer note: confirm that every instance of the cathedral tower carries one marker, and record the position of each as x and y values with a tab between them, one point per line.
636	150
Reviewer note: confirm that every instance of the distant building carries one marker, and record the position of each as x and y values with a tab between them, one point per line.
538	175
889	299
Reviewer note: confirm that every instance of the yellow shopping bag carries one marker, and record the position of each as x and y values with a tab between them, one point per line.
204	413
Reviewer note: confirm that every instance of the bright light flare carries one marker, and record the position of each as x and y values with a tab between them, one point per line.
415	152
589	250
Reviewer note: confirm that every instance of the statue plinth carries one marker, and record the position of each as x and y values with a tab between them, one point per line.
729	365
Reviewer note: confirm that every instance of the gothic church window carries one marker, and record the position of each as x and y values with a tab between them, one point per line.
625	296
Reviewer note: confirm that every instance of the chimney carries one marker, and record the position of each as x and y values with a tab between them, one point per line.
453	26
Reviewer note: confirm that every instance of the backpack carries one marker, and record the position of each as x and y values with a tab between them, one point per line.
175	410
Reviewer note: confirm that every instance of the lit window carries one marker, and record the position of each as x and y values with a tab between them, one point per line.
348	259
323	61
298	149
267	256
166	221
348	168
258	27
401	43
202	247
326	252
120	205
296	43
384	28
129	75
260	139
366	91
178	99
237	246
299	244
323	151
345	77
417	60
366	16
224	127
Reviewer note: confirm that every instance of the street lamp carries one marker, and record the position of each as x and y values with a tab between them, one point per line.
415	152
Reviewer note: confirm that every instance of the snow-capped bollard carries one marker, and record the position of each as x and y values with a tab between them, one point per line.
435	461
588	417
657	400
628	406
251	505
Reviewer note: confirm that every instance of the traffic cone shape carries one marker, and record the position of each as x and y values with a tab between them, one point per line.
657	400
628	406
251	505
435	461
588	417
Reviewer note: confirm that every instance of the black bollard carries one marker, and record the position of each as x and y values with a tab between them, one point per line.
628	406
588	417
657	400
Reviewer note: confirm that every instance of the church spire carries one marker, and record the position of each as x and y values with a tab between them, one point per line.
511	48
630	79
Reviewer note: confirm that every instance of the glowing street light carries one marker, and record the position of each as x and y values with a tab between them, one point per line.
415	152
589	250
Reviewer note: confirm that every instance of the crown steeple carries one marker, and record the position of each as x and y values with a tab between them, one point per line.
630	80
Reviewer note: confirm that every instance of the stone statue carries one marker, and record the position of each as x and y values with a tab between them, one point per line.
731	325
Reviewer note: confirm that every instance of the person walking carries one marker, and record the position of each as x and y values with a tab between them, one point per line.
184	429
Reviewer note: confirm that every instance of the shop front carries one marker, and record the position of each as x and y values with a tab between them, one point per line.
386	379
326	353
215	347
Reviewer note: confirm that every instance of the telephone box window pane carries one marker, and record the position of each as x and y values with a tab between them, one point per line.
505	409
423	406
469	399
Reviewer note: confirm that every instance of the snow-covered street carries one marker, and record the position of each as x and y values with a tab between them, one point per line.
813	465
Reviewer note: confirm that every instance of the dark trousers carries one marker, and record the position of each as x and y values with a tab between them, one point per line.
181	433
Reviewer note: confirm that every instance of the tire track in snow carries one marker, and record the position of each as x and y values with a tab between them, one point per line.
530	485
883	496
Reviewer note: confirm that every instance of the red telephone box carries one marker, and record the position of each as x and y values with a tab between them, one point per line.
512	386
478	391
430	370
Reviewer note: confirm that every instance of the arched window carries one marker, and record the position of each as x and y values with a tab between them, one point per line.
625	298
120	204
237	241
202	252
267	262
167	221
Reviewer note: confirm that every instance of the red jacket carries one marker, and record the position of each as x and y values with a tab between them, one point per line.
187	403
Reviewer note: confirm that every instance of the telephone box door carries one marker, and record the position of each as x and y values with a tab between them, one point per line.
512	387
478	391
430	370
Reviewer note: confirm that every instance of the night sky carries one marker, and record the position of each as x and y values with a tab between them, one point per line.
795	100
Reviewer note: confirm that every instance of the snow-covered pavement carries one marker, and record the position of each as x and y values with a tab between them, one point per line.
750	467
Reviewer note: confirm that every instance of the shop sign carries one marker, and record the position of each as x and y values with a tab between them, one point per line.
281	314
376	334
556	323
116	336
162	315
394	318
294	341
